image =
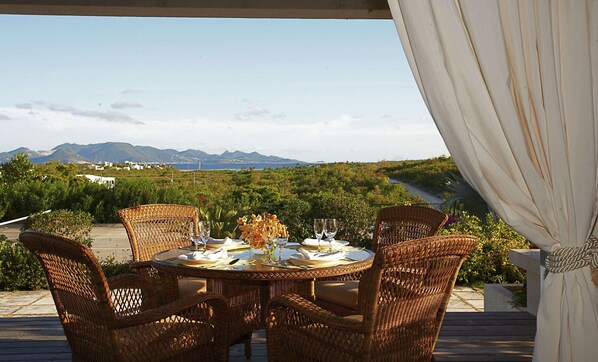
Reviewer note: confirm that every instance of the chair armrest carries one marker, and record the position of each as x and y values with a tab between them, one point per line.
216	301
130	280
132	293
314	312
137	265
297	327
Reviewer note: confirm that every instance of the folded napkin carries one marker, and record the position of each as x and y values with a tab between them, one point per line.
215	254
323	242
225	241
309	241
311	255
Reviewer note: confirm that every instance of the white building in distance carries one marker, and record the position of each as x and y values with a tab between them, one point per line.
109	181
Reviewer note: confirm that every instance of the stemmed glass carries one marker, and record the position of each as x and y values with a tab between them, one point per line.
204	233
270	235
330	229
319	230
281	241
196	241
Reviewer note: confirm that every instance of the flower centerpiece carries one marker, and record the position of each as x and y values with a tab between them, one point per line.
260	228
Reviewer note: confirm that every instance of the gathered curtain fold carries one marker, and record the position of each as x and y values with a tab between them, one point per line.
513	89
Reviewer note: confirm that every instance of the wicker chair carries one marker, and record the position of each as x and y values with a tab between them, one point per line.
117	319
393	225
402	302
156	227
401	223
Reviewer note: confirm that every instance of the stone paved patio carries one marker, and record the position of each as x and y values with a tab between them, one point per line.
40	303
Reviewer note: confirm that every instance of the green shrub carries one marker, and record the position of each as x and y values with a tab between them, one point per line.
111	267
19	268
489	262
75	225
223	223
295	214
355	217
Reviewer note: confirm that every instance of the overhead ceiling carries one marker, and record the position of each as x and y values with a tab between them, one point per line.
305	9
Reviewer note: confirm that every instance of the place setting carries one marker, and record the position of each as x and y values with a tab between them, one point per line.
204	239
218	258
314	253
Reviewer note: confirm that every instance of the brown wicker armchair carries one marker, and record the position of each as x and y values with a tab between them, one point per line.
402	302
393	225
401	223
156	227
117	320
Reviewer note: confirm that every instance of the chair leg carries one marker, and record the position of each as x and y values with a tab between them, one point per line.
247	341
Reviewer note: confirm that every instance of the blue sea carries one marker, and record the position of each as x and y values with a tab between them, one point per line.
230	166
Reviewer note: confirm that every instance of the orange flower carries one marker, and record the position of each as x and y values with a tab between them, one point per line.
260	227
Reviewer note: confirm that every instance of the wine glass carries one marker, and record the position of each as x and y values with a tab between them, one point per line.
330	229
319	230
281	241
204	233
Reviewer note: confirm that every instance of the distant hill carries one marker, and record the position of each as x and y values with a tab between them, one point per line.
119	152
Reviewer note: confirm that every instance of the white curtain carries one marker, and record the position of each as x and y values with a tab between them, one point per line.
513	88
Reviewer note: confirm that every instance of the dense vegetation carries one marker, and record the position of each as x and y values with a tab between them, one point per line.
350	192
430	174
489	262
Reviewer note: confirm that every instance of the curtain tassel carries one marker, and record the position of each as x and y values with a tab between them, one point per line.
575	257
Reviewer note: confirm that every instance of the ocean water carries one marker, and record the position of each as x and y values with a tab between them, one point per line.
229	166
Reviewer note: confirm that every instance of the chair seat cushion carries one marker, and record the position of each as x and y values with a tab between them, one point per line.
343	293
189	286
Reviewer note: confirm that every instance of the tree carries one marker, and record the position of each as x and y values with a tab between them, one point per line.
19	168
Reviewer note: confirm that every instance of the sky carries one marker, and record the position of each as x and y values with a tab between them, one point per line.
310	90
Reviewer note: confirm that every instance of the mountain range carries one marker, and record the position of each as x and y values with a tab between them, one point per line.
119	152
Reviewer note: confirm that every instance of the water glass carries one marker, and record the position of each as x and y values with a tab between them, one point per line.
330	229
319	230
204	233
281	242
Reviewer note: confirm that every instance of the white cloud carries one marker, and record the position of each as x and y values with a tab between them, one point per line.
110	116
4	117
24	106
251	112
126	104
61	108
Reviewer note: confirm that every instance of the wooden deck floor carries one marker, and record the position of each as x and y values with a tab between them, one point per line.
489	336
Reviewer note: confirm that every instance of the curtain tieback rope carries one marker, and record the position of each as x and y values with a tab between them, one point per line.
575	257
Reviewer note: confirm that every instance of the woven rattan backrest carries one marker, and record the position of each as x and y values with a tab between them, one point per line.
407	293
156	227
401	223
77	284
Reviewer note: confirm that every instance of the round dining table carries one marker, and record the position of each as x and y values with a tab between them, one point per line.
250	269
